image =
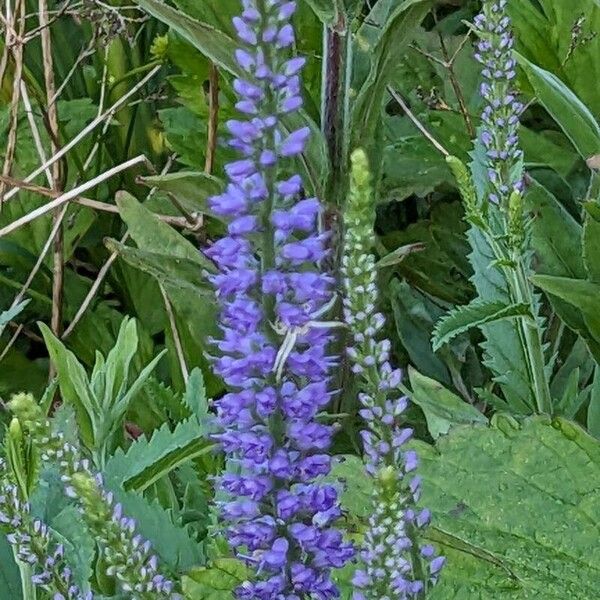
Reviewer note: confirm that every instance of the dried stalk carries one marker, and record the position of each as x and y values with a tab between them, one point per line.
213	119
15	43
105	116
71	195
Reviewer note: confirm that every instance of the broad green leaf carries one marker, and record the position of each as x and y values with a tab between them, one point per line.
415	316
574	118
212	42
74	384
443	409
463	318
195	395
578	358
151	234
577	292
179	272
572	399
555	235
147	460
398	32
191	189
80	547
216	582
398	255
515	510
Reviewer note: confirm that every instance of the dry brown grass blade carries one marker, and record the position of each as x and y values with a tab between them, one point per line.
14	42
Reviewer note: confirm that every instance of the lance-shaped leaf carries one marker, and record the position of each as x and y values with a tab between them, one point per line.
571	114
478	313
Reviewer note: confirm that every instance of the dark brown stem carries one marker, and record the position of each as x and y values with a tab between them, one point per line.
213	119
58	269
449	64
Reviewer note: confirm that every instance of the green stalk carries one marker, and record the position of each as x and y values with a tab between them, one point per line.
520	291
533	340
28	589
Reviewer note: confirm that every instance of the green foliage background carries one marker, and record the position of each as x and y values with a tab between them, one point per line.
515	497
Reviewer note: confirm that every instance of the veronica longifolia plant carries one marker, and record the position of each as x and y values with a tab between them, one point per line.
497	210
273	348
396	565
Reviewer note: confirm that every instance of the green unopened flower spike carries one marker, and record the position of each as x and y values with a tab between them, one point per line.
396	565
128	557
32	545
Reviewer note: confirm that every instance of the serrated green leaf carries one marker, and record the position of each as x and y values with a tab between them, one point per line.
504	354
515	509
443	409
147	460
463	318
174	543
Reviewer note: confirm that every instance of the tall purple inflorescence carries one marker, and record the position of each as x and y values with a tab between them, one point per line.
395	563
500	132
273	346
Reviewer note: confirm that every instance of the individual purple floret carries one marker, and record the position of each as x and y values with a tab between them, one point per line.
31	540
273	349
395	564
500	131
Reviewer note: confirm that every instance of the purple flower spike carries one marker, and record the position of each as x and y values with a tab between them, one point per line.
500	119
272	352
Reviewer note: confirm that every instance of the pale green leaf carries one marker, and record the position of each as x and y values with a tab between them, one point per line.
147	460
216	582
